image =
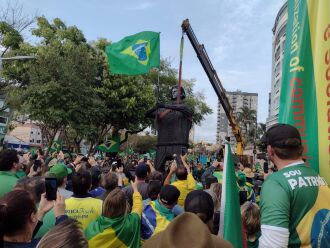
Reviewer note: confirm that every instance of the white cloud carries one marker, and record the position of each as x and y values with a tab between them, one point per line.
141	6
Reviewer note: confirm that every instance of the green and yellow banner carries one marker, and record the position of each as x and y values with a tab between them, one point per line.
305	90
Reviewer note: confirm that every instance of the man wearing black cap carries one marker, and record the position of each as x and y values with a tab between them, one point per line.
295	201
141	172
158	214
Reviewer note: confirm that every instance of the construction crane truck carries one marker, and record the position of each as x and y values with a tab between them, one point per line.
216	83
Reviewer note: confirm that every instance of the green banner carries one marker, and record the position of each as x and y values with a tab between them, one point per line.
298	102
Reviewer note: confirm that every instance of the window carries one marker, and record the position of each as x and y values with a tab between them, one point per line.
3	120
38	141
31	132
277	69
277	83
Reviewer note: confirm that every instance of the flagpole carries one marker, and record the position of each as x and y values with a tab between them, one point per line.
127	147
180	69
223	195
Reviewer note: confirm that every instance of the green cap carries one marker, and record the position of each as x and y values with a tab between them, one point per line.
60	170
241	178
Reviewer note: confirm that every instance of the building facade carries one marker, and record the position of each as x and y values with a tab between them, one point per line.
237	100
5	115
278	46
27	134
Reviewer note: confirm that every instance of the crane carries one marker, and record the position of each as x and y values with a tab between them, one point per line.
216	83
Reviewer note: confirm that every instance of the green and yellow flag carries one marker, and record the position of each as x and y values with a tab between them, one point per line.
118	232
110	146
135	54
305	91
56	146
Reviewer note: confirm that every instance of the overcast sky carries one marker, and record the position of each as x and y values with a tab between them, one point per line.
237	36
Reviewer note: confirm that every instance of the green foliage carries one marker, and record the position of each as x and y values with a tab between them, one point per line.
141	144
60	91
261	130
9	37
68	87
247	118
168	79
16	72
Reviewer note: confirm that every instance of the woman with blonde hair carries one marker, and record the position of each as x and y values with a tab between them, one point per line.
251	221
117	227
67	234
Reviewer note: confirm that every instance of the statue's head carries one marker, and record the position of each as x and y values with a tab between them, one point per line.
174	93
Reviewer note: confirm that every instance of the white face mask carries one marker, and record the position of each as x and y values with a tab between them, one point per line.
174	93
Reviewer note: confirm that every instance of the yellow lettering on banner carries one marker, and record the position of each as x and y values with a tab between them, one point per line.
319	23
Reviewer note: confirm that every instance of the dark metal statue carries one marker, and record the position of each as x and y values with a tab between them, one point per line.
173	123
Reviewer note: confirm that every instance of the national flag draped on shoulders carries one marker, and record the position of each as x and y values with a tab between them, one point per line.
305	89
230	227
118	232
135	54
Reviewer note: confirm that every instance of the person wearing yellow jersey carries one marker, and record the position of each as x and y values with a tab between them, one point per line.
185	181
81	206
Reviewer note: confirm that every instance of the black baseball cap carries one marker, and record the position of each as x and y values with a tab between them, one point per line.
279	135
169	194
141	171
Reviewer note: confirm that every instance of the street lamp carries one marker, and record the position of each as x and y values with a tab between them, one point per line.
19	57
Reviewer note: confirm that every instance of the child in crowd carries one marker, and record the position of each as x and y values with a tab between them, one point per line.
251	221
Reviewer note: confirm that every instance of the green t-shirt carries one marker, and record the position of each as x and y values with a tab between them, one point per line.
8	181
48	223
298	199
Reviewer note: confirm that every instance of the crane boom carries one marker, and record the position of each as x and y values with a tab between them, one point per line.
216	83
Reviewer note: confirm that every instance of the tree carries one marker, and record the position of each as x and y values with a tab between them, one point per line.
13	21
125	98
261	130
60	91
247	117
141	144
68	87
168	79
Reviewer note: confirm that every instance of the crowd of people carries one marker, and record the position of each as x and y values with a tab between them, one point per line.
118	202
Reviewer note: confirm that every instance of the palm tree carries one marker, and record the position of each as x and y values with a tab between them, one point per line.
247	117
261	129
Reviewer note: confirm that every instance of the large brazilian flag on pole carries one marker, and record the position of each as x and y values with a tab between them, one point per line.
305	91
135	54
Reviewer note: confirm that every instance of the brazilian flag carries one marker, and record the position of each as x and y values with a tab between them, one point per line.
135	54
110	146
121	232
56	146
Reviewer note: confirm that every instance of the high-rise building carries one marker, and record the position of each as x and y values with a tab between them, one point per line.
237	100
277	63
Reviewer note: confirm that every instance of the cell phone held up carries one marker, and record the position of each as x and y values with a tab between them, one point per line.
183	150
51	188
266	167
36	165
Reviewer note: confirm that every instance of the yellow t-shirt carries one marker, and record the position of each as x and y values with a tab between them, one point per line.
85	210
184	186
